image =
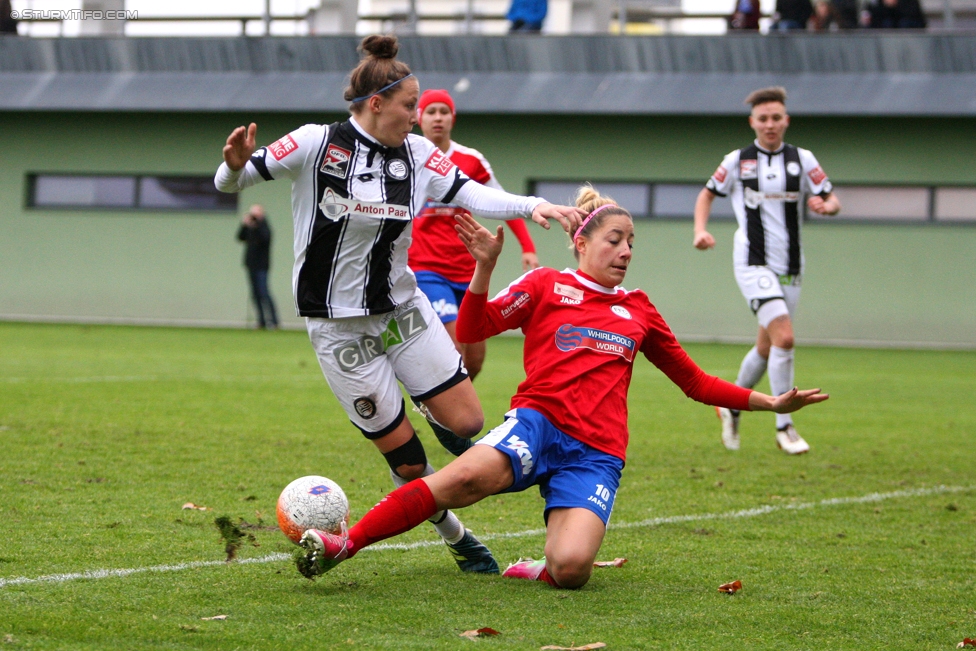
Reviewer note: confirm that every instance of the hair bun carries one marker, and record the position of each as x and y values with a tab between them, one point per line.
380	46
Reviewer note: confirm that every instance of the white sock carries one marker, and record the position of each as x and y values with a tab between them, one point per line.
445	522
752	369
781	378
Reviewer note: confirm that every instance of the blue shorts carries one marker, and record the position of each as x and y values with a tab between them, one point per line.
570	473
444	295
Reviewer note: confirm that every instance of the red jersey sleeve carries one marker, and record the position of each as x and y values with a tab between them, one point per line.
478	318
663	350
522	233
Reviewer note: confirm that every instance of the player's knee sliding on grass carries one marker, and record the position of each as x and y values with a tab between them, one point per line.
567	429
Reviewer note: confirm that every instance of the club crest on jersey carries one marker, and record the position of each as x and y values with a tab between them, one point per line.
574	295
336	161
439	163
396	169
719	174
748	169
793	168
282	147
621	311
514	302
569	338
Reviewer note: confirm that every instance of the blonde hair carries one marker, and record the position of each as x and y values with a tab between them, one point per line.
590	200
377	69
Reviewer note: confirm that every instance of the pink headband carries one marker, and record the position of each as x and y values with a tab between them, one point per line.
591	216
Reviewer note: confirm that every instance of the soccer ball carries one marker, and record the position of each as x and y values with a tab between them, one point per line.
312	502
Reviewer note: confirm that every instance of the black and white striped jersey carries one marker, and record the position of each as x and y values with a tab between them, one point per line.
768	189
353	201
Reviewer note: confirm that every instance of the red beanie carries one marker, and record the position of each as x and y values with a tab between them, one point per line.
433	96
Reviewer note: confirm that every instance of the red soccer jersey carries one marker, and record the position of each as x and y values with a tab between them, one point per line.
435	245
580	343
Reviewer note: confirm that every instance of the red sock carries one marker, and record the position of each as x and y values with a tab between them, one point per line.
544	576
400	511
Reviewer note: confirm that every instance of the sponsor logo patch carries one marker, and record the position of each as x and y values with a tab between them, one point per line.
747	169
282	147
719	174
336	161
439	163
365	407
514	302
333	206
569	338
765	282
396	169
793	168
817	175
568	292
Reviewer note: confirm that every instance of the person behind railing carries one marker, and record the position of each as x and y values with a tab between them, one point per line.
8	24
894	14
527	15
746	15
792	14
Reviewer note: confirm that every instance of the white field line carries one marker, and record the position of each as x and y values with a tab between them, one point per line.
650	522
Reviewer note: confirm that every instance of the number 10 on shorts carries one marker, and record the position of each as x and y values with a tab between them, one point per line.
600	497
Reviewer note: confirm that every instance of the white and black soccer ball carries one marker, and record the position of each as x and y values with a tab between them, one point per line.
312	502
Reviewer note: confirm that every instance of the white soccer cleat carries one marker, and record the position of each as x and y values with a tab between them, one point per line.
790	442
730	427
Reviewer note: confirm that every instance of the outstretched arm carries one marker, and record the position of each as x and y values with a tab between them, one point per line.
785	403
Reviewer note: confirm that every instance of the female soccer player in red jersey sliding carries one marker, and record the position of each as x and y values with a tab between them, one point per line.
567	430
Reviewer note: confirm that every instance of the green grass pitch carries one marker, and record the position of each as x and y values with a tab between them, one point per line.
105	432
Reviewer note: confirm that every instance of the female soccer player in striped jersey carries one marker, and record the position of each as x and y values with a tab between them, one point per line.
768	181
567	429
356	186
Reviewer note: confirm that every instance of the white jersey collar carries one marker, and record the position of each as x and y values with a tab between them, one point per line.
586	282
362	132
782	146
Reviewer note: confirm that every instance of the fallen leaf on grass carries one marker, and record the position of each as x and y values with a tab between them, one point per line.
214	618
966	642
585	647
617	562
480	632
191	505
730	588
9	638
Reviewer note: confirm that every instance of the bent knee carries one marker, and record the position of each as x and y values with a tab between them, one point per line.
411	471
785	342
570	574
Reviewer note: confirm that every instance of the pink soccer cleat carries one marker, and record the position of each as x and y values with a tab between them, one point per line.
323	551
525	568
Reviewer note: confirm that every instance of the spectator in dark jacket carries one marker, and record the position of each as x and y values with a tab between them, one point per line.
896	14
792	14
256	233
8	24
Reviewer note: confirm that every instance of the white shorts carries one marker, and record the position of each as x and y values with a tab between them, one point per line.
769	295
363	357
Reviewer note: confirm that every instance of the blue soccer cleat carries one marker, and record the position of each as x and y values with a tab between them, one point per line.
472	556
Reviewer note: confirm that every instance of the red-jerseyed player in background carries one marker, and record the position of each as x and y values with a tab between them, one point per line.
437	257
567	430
